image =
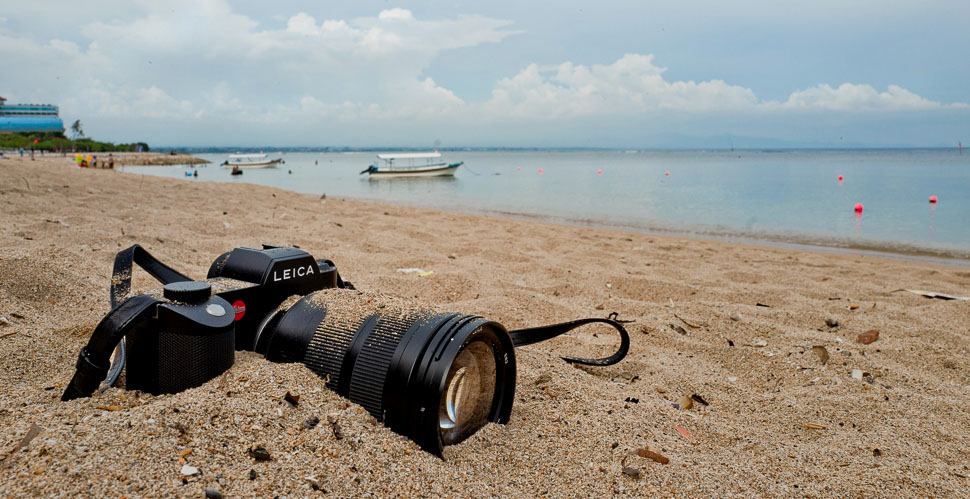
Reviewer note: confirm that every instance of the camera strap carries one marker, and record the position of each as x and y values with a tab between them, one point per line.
94	364
522	337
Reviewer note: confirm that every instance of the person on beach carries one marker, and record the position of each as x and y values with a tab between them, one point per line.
111	162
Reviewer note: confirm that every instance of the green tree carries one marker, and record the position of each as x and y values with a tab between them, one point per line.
76	129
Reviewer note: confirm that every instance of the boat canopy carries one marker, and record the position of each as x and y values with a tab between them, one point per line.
409	155
247	156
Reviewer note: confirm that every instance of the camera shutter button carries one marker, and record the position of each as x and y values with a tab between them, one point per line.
187	291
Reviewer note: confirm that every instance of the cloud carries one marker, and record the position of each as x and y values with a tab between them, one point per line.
202	63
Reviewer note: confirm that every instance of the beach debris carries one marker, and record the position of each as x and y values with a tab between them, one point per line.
822	353
335	428
814	426
759	342
185	453
686	403
4	322
857	374
876	452
311	423
732	379
868	337
411	270
633	472
294	400
834	298
452	256
694	326
934	294
683	431
211	493
730	343
259	453
830	322
678	329
614	316
108	407
30	435
670	302
425	274
697	398
314	483
189	470
853	306
649	454
252	474
632	400
17	315
762	305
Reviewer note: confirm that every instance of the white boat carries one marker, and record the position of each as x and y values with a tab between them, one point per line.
251	161
411	164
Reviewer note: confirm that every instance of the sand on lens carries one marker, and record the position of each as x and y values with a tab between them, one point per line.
889	417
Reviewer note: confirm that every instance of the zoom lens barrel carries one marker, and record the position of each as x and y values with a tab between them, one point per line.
435	378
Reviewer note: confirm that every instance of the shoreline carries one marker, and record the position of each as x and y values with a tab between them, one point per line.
738	326
900	251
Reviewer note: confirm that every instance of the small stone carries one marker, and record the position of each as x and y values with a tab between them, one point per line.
311	423
252	474
822	353
211	493
736	317
876	452
260	453
831	322
661	389
853	306
189	470
857	374
759	342
686	403
868	337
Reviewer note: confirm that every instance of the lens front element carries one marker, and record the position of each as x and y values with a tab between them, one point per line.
469	390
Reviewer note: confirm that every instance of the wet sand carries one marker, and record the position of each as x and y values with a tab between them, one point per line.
778	421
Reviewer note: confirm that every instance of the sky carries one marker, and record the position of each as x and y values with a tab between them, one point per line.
647	74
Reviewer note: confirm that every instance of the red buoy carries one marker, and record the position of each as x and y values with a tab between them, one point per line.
518	169
840	178
667	174
540	171
858	207
600	172
933	200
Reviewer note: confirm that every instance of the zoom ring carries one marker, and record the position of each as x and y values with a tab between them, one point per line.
370	369
327	349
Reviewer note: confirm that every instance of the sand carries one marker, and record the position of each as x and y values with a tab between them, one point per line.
778	422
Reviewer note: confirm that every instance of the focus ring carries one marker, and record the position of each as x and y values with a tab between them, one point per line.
370	369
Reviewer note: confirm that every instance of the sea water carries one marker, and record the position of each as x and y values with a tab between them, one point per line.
780	196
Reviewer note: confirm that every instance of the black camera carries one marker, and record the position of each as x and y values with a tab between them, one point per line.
436	378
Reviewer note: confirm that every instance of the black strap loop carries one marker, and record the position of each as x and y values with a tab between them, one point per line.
522	337
121	275
95	356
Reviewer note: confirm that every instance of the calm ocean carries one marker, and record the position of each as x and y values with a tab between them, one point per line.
778	196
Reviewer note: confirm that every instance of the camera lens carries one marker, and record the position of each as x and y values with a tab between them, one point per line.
435	378
467	398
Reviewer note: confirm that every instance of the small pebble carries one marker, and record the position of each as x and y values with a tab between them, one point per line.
831	322
857	374
211	493
736	317
189	470
252	474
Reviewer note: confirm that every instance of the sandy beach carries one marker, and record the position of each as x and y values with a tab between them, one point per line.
738	326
